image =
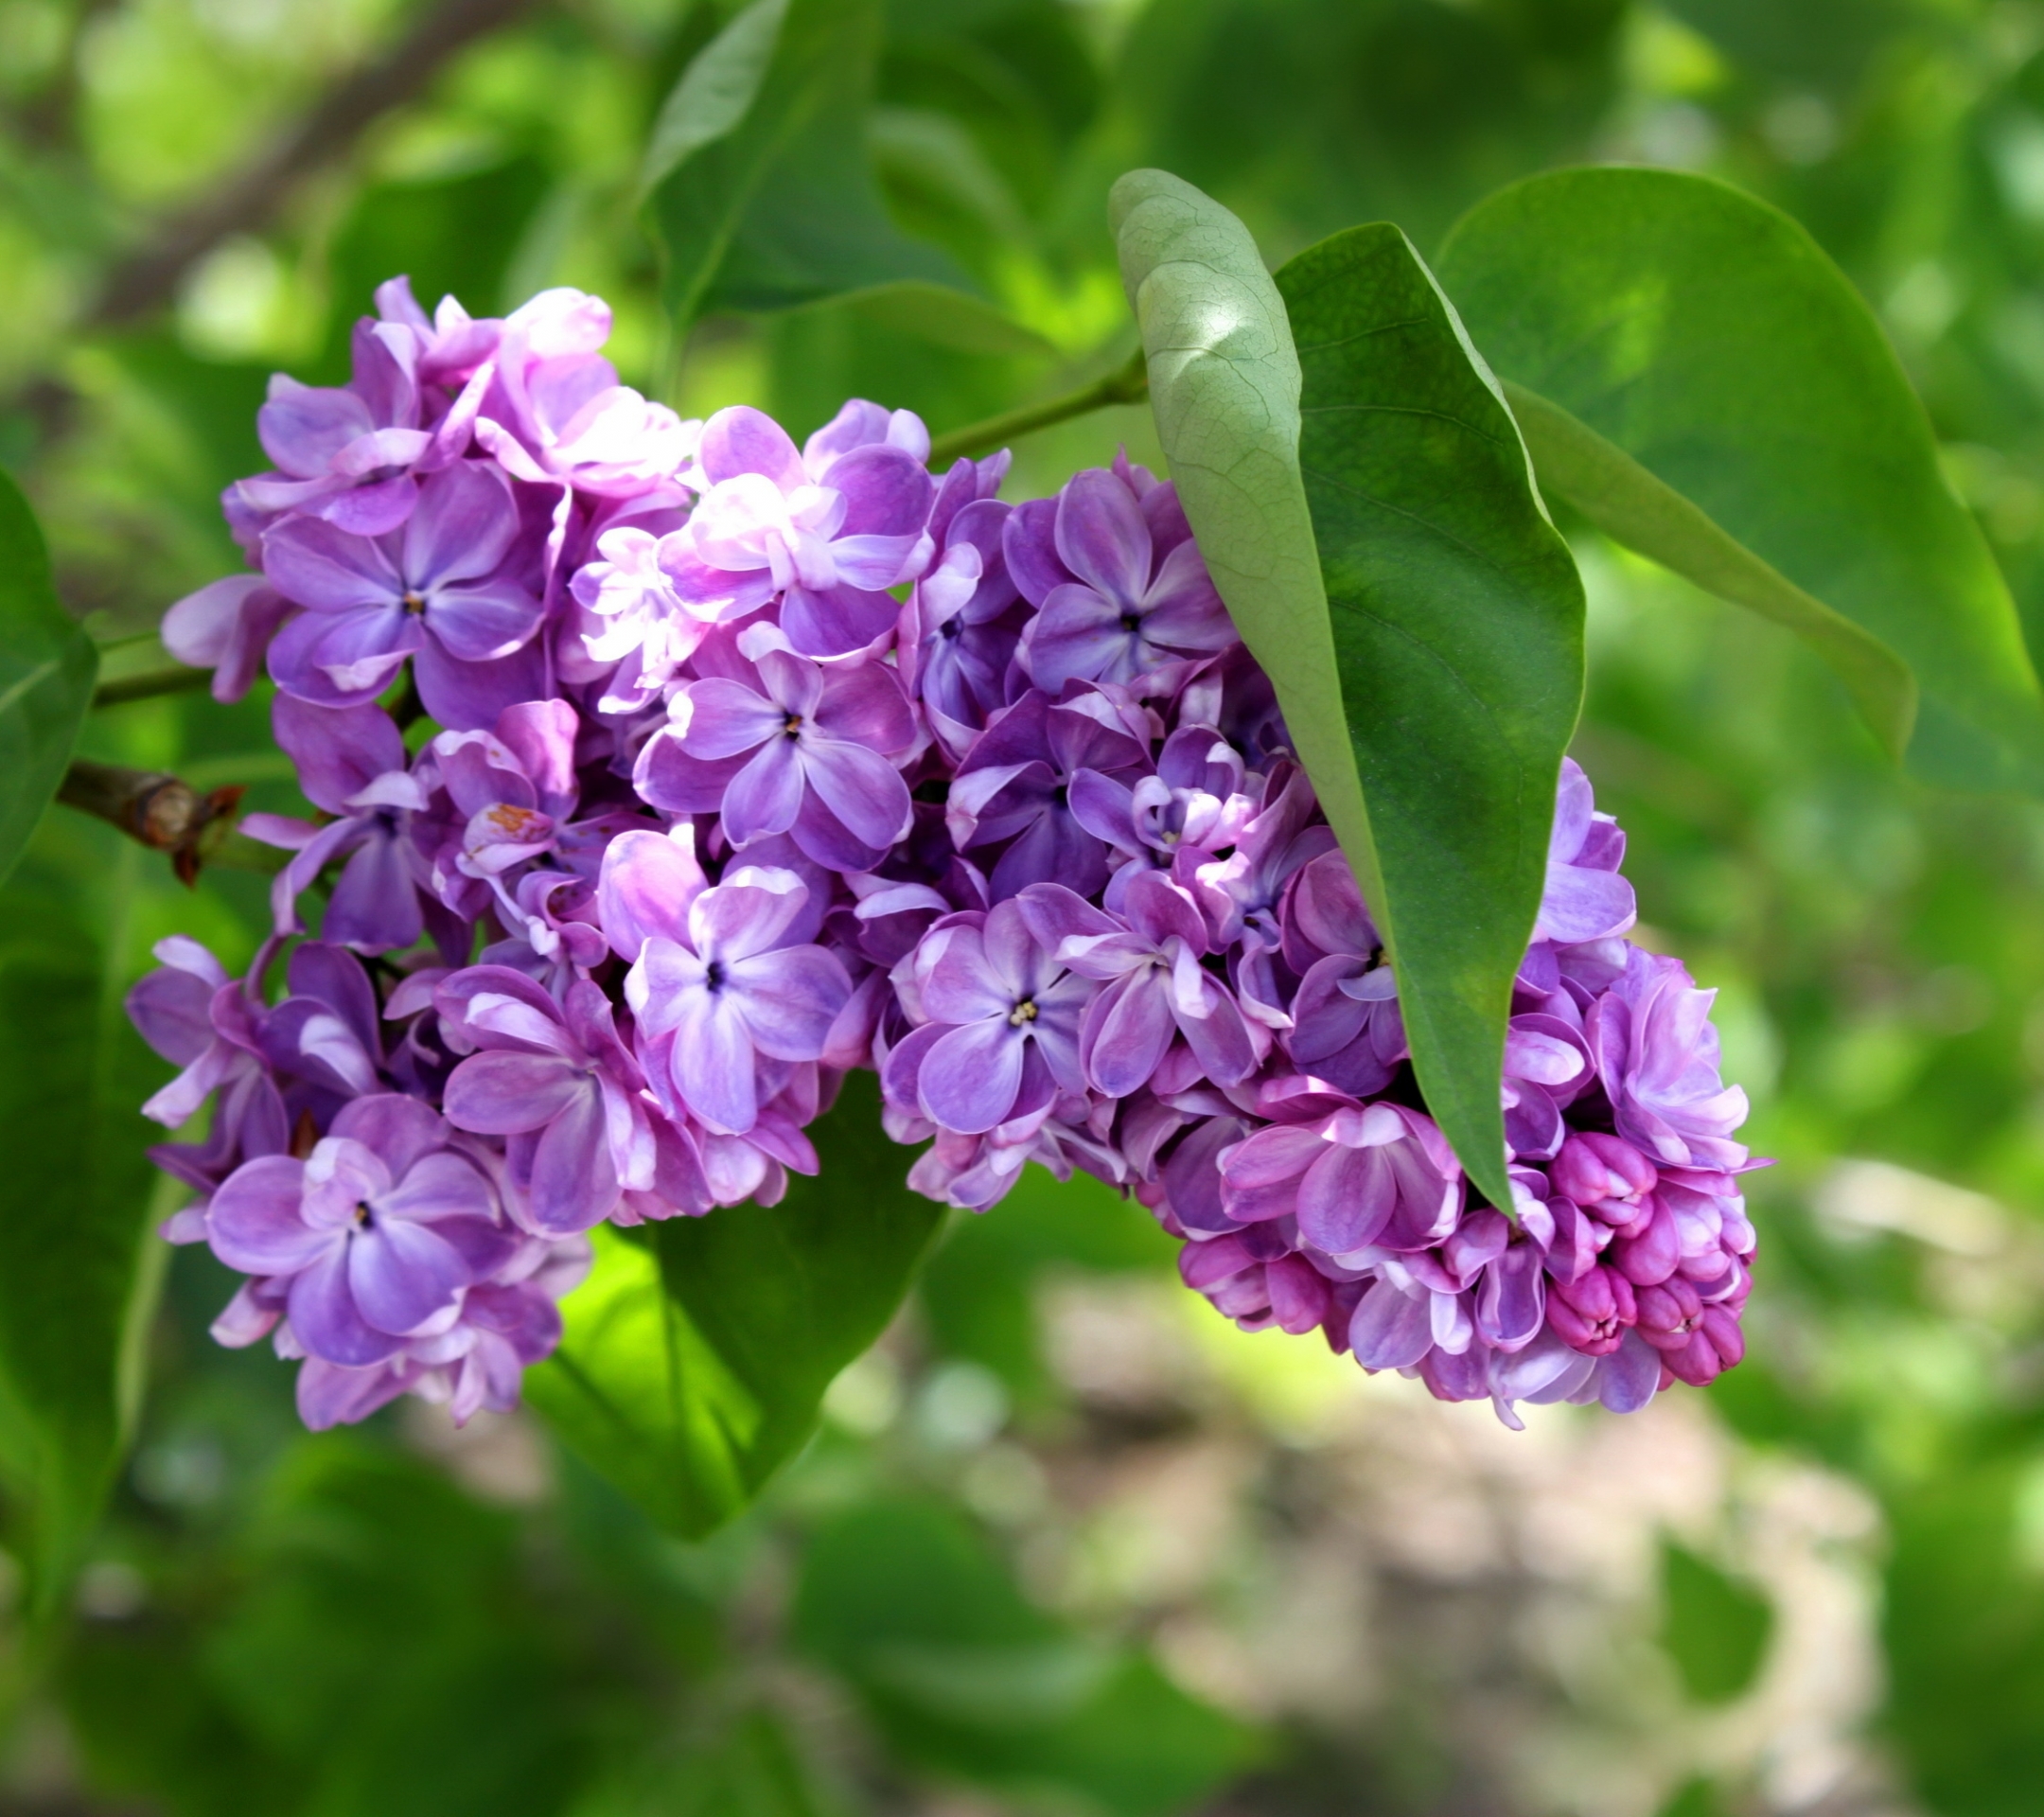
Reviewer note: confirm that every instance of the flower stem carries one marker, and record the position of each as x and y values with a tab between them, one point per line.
146	686
1127	384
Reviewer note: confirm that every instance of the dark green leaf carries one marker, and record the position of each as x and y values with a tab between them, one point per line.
694	1362
1707	336
759	188
46	669
963	1675
1367	509
75	1194
1714	1628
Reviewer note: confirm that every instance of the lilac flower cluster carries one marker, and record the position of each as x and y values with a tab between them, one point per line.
733	765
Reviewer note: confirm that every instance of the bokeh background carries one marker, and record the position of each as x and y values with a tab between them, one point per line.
1068	1542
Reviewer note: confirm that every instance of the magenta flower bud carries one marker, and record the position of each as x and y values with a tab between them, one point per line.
1592	1167
1652	1253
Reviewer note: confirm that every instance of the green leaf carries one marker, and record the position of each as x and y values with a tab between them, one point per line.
694	1359
961	1674
1709	338
77	1196
1714	1628
759	186
1367	510
46	669
1632	507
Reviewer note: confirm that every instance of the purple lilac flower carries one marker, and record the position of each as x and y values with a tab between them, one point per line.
797	749
1133	593
711	818
351	762
1002	1037
379	1231
445	590
826	542
719	993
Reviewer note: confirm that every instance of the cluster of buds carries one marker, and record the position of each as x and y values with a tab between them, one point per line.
735	765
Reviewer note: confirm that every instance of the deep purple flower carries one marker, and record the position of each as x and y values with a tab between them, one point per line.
207	1025
446	590
1002	1037
828	543
800	749
1134	599
962	626
1013	788
1360	1176
716	990
379	1230
351	762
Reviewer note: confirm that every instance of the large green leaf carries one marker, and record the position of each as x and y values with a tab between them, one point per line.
46	669
961	1674
759	185
1367	510
694	1359
75	1193
1710	339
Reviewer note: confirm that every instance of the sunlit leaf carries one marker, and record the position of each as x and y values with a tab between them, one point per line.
1707	336
46	669
696	1359
1367	509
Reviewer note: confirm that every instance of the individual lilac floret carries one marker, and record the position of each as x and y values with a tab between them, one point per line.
1135	593
351	762
555	409
446	590
826	545
1002	1037
379	1230
800	750
226	626
555	1079
720	994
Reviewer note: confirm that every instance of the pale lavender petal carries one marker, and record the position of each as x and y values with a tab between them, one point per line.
1102	537
789	999
463	526
767	795
325	570
374	908
724	718
970	1076
1346	1198
1126	1032
864	792
254	1221
747	914
648	881
713	1063
401	1274
325	1318
574	1181
1391	1330
743	440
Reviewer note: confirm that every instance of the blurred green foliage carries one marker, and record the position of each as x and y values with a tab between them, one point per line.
278	1624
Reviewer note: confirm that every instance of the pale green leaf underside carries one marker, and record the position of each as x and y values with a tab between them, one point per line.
1710	339
1632	507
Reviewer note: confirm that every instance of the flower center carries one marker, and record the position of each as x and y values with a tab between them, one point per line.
1023	1014
951	628
792	727
1132	622
413	601
714	976
361	1215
